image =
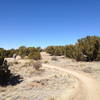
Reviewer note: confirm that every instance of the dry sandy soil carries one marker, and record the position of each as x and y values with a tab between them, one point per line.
87	74
60	79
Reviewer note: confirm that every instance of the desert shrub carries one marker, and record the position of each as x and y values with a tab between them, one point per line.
46	61
16	62
55	50
54	58
35	56
50	50
2	52
98	55
39	49
22	51
10	53
30	52
70	51
33	53
7	53
59	50
4	72
86	49
1	61
37	65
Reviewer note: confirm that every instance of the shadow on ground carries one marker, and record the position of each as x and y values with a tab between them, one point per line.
13	80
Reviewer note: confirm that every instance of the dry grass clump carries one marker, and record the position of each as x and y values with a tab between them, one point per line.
32	64
82	65
37	65
87	70
46	62
16	62
54	58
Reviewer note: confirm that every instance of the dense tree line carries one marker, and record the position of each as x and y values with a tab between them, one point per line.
86	49
55	50
30	52
6	53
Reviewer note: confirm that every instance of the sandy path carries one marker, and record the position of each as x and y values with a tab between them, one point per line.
89	88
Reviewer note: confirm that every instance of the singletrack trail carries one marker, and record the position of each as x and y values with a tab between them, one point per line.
89	88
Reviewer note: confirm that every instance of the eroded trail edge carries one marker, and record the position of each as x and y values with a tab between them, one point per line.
89	88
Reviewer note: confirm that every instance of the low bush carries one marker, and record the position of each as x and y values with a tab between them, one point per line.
70	51
55	50
86	49
34	55
30	52
54	58
37	65
7	53
46	62
4	72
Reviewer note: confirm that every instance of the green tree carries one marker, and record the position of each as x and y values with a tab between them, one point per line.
22	51
34	53
89	47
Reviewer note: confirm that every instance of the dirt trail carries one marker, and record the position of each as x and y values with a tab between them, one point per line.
89	88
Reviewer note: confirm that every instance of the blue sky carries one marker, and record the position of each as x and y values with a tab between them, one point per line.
47	22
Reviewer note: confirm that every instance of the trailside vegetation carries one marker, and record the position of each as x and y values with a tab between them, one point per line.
86	49
30	52
4	72
55	50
